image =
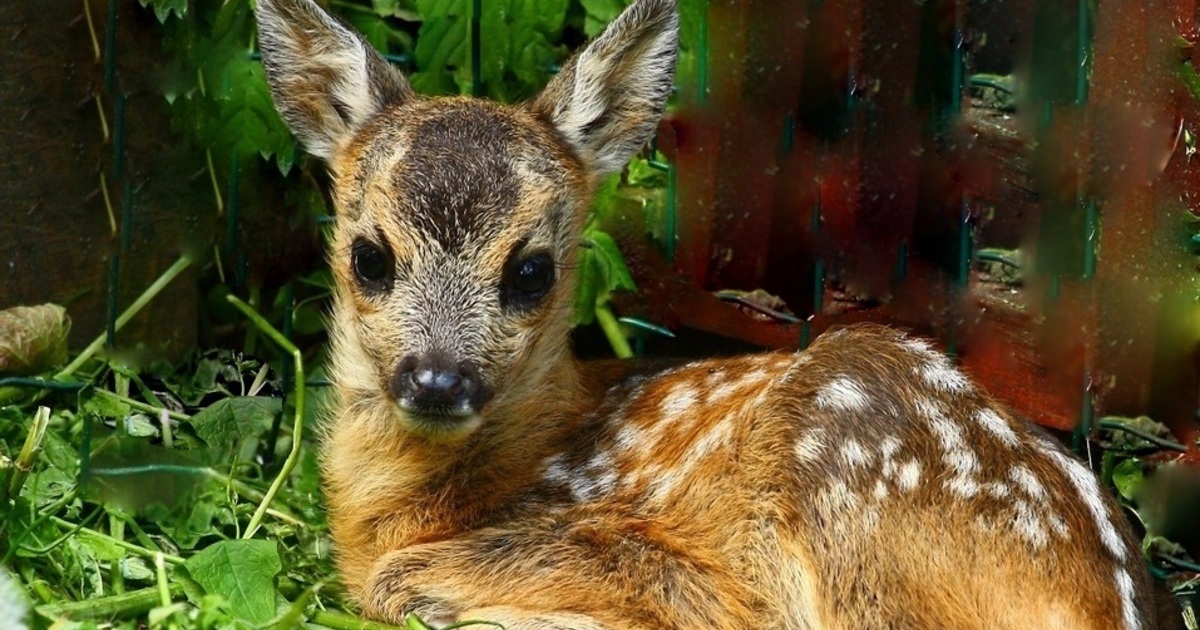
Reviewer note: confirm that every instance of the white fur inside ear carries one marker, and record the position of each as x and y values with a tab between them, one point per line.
319	72
618	86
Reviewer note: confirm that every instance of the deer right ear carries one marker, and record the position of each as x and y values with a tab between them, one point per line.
607	100
326	81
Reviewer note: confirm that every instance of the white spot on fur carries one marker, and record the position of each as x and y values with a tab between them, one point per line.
1028	525
1057	523
678	401
909	475
963	486
942	376
955	452
722	391
881	490
1089	490
1027	481
889	447
921	348
996	489
838	497
854	454
602	473
716	436
1128	609
996	425
556	470
630	437
581	486
810	445
843	394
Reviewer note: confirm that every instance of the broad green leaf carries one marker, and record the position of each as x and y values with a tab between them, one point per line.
1127	477
246	123
403	9
373	28
241	571
431	9
611	265
225	422
441	42
585	291
600	13
57	479
33	338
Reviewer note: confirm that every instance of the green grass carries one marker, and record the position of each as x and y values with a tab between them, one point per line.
174	497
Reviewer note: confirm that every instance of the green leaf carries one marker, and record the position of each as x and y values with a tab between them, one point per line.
33	338
245	122
430	9
373	28
403	9
611	265
164	8
600	13
602	270
225	422
442	44
241	571
585	291
1127	476
57	479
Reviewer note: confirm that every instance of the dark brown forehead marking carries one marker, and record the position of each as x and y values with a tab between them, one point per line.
457	178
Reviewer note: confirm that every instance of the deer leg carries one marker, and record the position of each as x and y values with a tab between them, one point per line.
517	619
573	573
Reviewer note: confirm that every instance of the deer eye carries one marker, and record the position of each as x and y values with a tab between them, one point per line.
528	279
372	265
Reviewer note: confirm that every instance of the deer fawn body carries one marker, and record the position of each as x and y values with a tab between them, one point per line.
474	469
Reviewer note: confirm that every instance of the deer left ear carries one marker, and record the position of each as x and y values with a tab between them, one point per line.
326	81
607	100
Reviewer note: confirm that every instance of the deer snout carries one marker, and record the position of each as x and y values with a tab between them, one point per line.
435	385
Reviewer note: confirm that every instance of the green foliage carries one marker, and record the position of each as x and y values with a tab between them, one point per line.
164	8
602	270
519	46
224	423
243	573
218	93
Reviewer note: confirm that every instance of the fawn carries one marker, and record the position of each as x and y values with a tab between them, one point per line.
476	470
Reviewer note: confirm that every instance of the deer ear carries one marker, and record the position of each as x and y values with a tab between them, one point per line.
326	81
607	100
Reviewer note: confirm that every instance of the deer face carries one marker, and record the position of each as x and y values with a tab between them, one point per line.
458	219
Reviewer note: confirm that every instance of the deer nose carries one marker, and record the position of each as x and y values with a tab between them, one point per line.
435	385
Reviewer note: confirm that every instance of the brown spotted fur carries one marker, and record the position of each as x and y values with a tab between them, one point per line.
753	492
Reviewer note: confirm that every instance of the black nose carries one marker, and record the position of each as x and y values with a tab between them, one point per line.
435	385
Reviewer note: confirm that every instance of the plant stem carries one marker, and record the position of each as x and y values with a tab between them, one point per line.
298	422
29	452
160	572
137	404
124	605
116	528
36	584
128	546
612	330
149	294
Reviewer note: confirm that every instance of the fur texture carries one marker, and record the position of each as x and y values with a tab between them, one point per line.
863	483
